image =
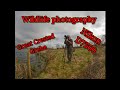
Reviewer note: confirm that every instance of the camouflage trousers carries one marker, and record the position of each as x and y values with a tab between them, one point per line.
69	53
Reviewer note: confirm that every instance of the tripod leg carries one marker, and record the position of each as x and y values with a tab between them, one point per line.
74	58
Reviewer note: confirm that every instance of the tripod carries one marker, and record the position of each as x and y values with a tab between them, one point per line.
64	55
73	55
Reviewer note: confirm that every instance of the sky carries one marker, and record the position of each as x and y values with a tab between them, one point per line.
25	32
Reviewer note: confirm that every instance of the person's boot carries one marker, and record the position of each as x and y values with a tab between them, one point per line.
69	61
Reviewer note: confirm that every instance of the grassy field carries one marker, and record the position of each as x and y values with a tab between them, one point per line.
84	65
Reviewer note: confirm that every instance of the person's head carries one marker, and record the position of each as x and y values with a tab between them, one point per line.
68	36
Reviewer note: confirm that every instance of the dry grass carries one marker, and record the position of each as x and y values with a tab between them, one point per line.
84	65
95	69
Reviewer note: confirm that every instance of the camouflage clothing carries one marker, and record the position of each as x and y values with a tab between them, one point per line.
69	46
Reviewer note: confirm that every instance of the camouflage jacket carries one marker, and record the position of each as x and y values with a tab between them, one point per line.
68	42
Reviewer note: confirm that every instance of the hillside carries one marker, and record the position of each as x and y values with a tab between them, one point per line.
84	65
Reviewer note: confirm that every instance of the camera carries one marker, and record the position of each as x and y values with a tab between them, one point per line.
66	37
